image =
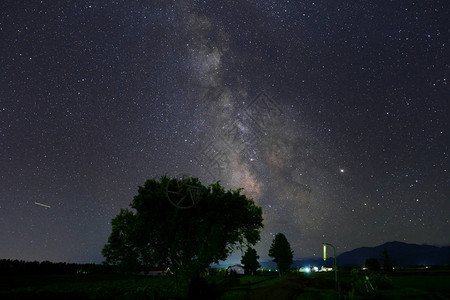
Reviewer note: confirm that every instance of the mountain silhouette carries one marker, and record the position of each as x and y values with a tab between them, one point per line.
401	254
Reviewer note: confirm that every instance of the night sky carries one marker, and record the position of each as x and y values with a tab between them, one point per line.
332	115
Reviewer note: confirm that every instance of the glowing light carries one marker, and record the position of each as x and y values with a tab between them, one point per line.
305	270
342	170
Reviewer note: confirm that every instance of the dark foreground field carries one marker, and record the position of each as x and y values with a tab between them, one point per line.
353	285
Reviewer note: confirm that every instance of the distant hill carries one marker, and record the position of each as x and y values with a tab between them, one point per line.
401	254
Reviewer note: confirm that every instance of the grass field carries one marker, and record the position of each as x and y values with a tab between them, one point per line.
90	287
404	285
419	286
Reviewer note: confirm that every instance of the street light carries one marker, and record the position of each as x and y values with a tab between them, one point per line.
335	261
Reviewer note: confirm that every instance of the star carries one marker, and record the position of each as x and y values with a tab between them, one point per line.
263	96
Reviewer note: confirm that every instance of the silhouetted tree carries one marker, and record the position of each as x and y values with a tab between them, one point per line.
281	252
372	264
250	261
162	231
387	263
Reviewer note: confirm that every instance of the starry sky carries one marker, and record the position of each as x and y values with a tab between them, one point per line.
332	115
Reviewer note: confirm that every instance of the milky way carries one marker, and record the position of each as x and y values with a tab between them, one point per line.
332	116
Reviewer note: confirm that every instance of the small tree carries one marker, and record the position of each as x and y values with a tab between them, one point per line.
281	252
387	263
250	261
372	264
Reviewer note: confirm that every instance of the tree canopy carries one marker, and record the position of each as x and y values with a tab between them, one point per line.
281	252
182	224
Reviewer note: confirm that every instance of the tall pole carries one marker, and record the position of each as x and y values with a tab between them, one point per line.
335	261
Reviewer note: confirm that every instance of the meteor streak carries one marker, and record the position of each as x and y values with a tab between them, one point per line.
37	203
